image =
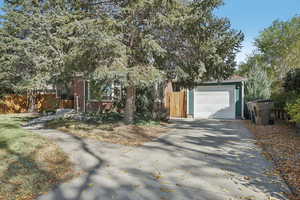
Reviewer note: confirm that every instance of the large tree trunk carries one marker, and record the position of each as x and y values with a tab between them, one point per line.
130	104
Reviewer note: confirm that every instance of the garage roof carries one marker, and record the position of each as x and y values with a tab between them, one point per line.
232	79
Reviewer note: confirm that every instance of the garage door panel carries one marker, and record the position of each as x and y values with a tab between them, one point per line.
214	97
215	102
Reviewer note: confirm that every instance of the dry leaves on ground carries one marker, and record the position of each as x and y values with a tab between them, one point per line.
281	144
117	133
30	165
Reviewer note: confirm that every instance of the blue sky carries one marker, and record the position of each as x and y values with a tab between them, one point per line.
1	3
252	16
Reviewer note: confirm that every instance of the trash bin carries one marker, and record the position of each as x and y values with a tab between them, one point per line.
261	112
251	111
298	128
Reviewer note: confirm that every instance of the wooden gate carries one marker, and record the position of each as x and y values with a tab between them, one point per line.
177	103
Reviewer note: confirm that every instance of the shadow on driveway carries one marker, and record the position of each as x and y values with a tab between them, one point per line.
203	160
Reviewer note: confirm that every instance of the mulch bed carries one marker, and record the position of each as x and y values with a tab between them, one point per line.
117	133
281	144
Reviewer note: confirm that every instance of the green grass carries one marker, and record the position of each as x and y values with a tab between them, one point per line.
29	164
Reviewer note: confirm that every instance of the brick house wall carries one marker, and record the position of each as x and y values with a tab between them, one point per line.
82	103
79	89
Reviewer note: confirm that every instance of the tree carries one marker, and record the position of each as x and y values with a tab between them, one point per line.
258	85
138	42
280	44
169	37
277	54
292	81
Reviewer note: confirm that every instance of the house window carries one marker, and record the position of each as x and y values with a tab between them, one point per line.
100	91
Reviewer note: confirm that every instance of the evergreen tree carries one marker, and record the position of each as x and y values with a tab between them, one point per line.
138	42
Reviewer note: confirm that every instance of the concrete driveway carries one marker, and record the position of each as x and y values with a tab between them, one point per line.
203	160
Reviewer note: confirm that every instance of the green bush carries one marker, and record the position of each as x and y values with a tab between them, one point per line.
258	85
292	81
111	117
294	110
144	103
282	99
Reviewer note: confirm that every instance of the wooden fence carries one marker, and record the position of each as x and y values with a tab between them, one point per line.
281	115
177	104
22	103
14	104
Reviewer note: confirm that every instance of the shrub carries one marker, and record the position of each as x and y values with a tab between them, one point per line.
111	117
144	103
282	99
292	81
294	110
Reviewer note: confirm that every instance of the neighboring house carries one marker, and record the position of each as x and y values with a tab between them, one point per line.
217	99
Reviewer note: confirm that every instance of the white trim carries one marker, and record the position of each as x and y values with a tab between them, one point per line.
187	102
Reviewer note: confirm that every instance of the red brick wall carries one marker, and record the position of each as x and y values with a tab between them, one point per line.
79	94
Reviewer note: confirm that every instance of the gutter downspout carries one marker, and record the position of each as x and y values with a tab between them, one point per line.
243	99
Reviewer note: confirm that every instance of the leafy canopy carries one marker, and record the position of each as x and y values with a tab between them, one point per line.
137	42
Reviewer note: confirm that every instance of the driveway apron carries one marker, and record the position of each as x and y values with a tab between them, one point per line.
201	160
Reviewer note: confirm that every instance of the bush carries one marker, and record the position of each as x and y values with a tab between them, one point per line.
294	110
282	99
111	117
144	103
292	81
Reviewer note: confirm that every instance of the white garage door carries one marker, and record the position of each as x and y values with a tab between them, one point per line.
214	102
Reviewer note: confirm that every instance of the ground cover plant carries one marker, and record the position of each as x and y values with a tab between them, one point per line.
30	165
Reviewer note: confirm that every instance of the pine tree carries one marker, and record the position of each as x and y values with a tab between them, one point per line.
137	42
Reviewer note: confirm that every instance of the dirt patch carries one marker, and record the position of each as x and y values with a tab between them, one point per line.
281	144
117	133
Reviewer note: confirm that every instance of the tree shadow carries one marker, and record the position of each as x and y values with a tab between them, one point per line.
225	147
24	176
8	126
191	147
87	177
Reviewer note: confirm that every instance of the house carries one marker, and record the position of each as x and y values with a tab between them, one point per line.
87	98
217	99
213	99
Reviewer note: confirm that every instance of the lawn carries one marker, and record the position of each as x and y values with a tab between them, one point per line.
30	165
281	144
117	133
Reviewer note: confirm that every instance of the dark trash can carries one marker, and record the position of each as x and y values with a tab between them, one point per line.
298	128
261	112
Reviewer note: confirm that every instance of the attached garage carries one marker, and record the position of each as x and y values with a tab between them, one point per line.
219	100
